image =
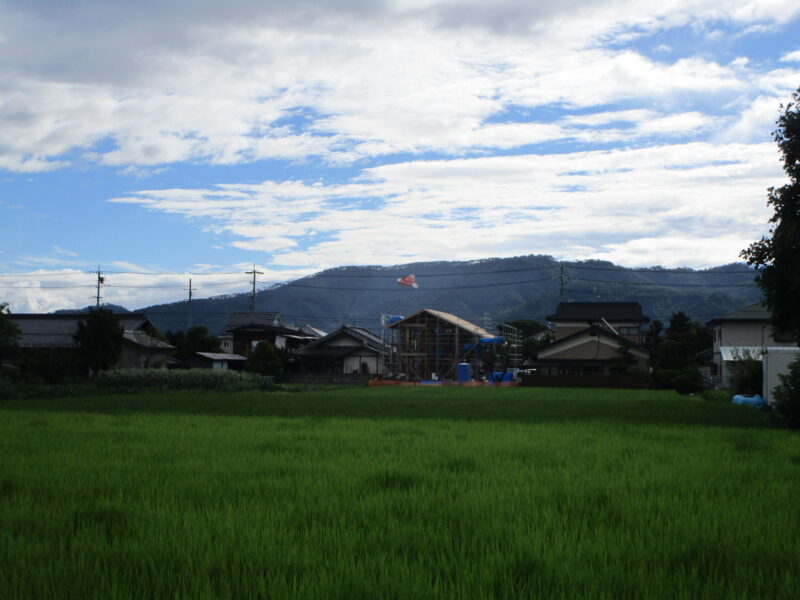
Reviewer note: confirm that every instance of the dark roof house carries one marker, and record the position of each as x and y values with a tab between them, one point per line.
253	319
595	311
345	351
594	338
140	344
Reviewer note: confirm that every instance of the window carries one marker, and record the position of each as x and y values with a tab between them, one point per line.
629	331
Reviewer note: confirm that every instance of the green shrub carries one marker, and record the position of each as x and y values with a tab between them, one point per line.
683	381
264	360
746	376
688	381
662	378
786	395
184	379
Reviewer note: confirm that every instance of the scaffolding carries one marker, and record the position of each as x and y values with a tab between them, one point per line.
513	338
431	344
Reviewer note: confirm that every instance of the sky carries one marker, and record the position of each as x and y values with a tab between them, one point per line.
159	141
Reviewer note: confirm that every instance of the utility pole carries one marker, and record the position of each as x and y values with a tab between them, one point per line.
100	281
562	284
191	289
253	295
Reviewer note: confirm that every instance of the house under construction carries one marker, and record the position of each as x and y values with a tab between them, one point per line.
430	345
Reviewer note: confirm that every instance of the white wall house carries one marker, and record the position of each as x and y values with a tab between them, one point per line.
746	333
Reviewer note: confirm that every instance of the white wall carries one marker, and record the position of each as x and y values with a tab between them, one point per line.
776	361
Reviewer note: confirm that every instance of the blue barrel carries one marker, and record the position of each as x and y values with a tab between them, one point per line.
463	372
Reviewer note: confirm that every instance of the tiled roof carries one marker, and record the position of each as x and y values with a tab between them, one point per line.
753	312
452	319
594	311
593	331
364	336
140	338
243	319
56	330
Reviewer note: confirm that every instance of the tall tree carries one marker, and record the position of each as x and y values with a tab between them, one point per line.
777	256
264	360
99	339
196	339
9	333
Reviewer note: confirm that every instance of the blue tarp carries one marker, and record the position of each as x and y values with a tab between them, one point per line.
394	319
754	401
492	340
497	376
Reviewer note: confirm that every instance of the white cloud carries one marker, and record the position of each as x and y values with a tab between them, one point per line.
469	208
675	148
225	87
46	290
63	252
791	56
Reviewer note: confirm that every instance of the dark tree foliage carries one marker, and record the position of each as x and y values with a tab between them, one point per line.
533	338
787	396
195	339
264	360
624	362
9	334
675	356
99	339
496	359
777	257
532	345
684	339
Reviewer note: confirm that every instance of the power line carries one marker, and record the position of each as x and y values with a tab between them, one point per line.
686	285
422	289
394	271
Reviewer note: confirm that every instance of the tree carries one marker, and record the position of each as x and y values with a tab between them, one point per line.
534	336
624	362
99	339
776	257
264	360
195	339
495	356
9	333
787	395
675	356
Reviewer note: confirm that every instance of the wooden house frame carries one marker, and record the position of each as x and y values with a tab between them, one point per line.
430	344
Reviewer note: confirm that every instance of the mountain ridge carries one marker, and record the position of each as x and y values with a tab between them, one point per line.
485	291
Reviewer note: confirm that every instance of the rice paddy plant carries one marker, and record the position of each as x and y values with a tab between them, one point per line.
477	494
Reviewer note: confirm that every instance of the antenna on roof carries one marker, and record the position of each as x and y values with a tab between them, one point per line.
609	325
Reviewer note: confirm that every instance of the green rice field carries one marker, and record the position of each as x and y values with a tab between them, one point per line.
397	493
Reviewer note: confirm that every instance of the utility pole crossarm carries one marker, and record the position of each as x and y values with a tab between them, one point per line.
253	295
100	281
